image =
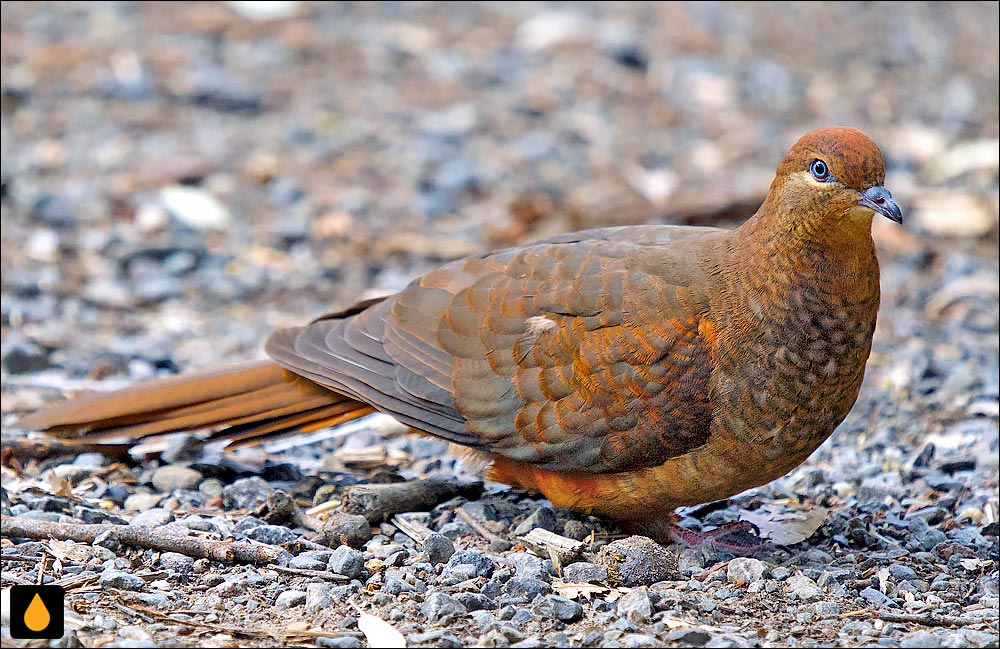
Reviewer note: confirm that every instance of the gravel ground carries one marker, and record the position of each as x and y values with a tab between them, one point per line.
178	180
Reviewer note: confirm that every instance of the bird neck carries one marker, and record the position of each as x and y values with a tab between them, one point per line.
784	268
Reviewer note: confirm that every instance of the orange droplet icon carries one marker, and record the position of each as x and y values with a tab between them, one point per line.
37	617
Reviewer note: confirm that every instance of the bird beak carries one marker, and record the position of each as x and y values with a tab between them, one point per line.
879	199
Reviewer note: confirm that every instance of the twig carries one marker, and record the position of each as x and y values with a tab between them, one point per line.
132	612
560	549
412	528
306	572
44	448
144	537
925	619
379	502
705	574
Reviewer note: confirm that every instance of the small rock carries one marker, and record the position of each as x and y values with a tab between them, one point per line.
826	609
438	548
307	563
441	608
271	534
743	570
168	478
693	637
152	518
318	598
347	561
637	561
526	588
542	517
877	597
343	642
921	640
120	580
475	601
804	588
290	599
345	529
585	572
141	502
482	565
636	605
176	562
899	571
24	356
246	493
194	207
529	566
557	608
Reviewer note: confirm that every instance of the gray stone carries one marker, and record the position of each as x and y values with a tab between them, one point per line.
168	478
120	580
345	529
693	637
542	517
921	640
743	570
475	601
347	561
526	588
826	609
482	565
804	588
176	562
529	566
877	597
307	563
152	518
271	534
343	642
246	493
557	608
584	572
441	608
141	502
636	605
318	598
290	599
438	548
899	571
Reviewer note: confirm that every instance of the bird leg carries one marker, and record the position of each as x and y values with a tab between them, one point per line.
741	538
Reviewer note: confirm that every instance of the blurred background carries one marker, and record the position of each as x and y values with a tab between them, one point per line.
181	178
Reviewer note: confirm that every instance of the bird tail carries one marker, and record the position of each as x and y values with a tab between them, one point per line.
244	404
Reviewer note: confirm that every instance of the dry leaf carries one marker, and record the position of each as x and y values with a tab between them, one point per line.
380	633
575	590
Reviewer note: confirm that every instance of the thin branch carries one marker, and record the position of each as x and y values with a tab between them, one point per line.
143	537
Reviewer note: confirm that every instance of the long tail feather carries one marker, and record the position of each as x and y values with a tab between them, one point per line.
244	403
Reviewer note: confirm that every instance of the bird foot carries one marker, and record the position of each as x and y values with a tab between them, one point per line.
741	538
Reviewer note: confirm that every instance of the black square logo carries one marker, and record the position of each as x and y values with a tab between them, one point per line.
36	612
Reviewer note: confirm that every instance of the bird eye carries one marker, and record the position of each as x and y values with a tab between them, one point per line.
820	171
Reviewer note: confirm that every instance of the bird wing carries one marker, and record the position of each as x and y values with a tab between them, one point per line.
588	352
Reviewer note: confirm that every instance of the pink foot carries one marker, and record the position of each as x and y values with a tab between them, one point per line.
741	538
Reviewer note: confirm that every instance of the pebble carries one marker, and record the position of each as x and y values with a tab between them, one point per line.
438	548
141	502
343	642
478	564
347	561
557	608
475	601
318	598
803	587
585	572
303	562
246	493
441	608
271	534
743	570
170	477
121	580
526	588
529	566
345	529
152	518
637	561
542	517
290	599
693	637
176	562
636	605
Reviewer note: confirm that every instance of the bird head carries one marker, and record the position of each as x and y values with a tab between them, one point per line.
831	180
